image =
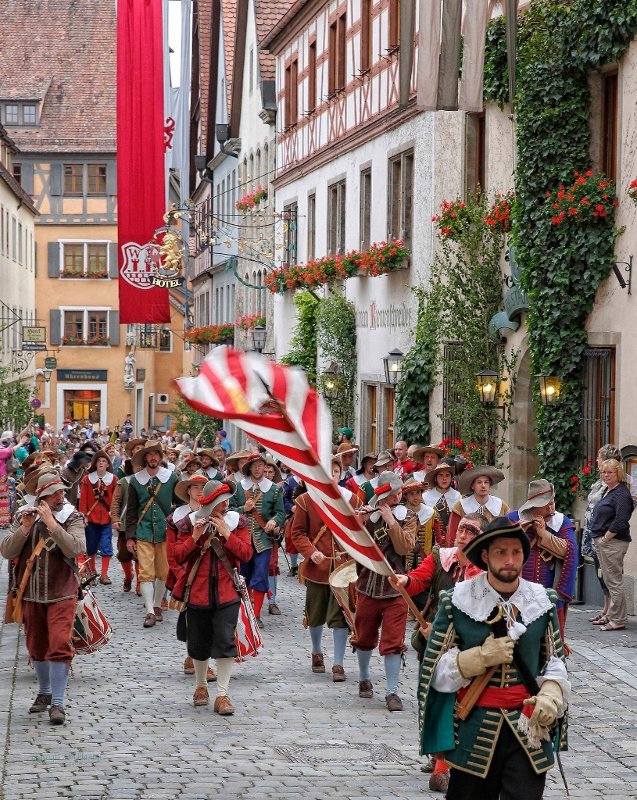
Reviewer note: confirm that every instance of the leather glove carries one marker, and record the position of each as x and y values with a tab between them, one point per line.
492	652
547	703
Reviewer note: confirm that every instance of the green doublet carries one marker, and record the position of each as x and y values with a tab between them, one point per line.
469	745
269	506
152	527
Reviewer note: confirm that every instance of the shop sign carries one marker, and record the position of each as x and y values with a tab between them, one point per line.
82	374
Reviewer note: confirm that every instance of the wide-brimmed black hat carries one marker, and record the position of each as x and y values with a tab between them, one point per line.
498	528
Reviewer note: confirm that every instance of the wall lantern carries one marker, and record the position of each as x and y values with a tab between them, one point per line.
330	382
258	337
550	389
393	366
487	383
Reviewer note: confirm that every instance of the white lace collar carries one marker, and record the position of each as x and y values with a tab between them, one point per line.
555	522
399	512
163	474
448	557
212	473
29	499
232	519
264	484
425	513
360	479
64	513
432	496
420	475
106	480
181	512
471	505
477	598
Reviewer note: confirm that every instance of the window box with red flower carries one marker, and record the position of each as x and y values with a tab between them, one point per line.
98	341
210	334
632	191
73	341
250	201
248	323
380	259
584	479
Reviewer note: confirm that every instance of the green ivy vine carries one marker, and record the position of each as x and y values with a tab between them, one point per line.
303	342
559	45
336	338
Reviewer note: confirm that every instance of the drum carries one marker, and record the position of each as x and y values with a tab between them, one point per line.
342	582
247	635
91	629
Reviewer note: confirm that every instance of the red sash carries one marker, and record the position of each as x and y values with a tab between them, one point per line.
495	697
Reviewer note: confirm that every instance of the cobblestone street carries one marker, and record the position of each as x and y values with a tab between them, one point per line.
132	731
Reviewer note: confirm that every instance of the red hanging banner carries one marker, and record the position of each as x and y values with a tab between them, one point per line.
140	159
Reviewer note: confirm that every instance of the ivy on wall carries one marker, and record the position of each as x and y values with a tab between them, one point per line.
466	291
15	401
303	342
563	264
336	338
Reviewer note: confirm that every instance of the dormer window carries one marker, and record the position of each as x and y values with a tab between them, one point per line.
20	113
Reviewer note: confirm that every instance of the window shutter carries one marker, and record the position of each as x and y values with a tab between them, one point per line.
53	253
27	178
113	327
113	270
54	326
111	178
56	180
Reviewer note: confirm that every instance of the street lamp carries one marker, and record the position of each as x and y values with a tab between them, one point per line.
258	337
330	382
393	366
550	389
45	373
487	383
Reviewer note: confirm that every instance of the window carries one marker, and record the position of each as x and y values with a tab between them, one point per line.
337	55
290	214
73	175
85	327
311	226
372	420
393	37
400	212
336	218
390	415
84	260
365	208
450	396
291	93
597	420
12	115
609	126
166	340
17	172
475	152
29	115
366	35
311	77
148	337
96	178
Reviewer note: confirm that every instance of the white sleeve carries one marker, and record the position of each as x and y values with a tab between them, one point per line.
556	671
447	677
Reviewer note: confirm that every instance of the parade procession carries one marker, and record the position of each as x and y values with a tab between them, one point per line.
318	453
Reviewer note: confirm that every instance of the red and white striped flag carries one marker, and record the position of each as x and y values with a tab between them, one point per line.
240	386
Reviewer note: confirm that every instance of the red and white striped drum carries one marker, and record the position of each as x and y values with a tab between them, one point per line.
247	635
91	629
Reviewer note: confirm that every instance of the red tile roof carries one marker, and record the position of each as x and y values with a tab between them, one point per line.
72	45
268	13
205	22
229	21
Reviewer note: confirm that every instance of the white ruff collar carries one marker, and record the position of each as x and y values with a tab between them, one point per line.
106	480
399	512
425	513
431	496
181	512
264	484
471	505
477	598
65	512
163	474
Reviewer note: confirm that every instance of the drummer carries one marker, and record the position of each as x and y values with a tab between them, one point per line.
313	539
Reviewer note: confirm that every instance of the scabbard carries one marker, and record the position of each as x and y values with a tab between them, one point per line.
465	706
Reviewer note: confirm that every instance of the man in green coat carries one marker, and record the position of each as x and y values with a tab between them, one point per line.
150	501
262	502
493	681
